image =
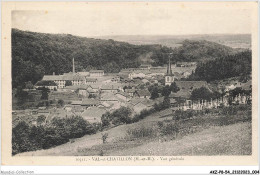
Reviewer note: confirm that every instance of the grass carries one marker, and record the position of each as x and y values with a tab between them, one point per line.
212	133
221	140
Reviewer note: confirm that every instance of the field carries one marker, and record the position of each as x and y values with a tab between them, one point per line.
216	132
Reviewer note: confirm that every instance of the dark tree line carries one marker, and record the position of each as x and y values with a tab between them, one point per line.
238	65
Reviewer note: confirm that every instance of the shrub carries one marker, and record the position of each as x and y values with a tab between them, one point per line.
141	132
169	129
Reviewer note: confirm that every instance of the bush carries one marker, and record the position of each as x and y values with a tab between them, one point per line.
141	132
169	129
59	131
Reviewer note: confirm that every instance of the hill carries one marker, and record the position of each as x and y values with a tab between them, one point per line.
36	54
231	40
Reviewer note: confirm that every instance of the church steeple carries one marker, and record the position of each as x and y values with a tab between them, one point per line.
169	78
169	68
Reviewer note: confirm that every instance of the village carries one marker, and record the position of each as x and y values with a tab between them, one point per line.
92	94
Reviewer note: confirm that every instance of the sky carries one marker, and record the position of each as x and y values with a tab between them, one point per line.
161	20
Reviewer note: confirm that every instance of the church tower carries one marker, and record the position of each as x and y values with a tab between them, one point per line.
169	78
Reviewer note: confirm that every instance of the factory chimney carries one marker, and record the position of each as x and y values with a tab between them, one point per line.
73	69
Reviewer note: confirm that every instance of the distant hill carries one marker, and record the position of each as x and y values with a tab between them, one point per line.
36	54
234	41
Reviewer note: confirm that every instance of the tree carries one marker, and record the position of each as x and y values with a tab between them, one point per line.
41	119
45	92
61	102
174	88
166	91
68	83
154	93
201	93
166	102
29	85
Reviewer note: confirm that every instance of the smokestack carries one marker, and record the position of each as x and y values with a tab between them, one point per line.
73	69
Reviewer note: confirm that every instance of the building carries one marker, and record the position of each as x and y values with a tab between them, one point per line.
91	80
96	73
185	64
88	102
111	87
93	114
169	78
47	84
144	93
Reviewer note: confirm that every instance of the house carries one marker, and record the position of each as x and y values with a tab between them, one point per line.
143	93
145	80
58	79
108	97
133	75
76	103
130	92
82	90
123	96
111	87
94	87
185	64
184	94
96	73
93	114
85	74
89	102
47	84
91	80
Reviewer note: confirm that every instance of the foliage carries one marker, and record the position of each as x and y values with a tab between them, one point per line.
58	131
166	91
140	132
201	93
45	92
36	54
174	88
119	116
41	119
61	102
28	85
68	83
224	67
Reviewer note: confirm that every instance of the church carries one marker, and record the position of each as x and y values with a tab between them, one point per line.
169	78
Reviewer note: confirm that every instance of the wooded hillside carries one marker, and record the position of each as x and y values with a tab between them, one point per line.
36	54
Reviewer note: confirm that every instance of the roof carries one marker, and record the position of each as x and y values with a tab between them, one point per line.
68	76
190	85
76	102
89	101
83	73
123	94
72	87
108	97
45	83
111	86
95	85
52	77
181	93
96	71
172	100
129	90
91	79
143	92
93	112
